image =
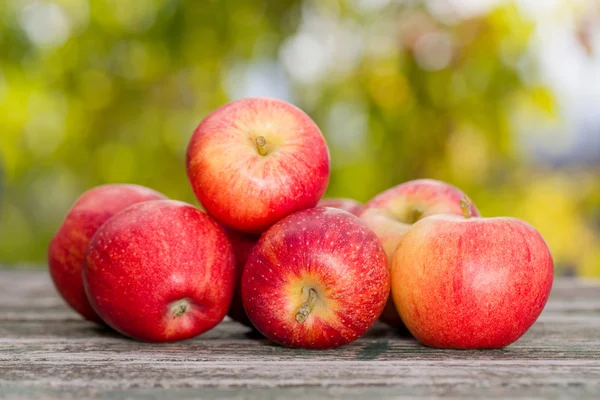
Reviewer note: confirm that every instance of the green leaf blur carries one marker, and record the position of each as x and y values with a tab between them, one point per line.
118	95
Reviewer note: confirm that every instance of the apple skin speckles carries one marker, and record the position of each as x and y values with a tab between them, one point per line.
471	283
66	251
160	271
245	189
326	250
391	214
242	247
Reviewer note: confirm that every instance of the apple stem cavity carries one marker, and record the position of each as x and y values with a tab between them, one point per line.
179	307
465	204
417	213
260	145
307	307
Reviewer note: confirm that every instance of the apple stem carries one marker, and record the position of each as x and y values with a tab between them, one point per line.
465	204
307	307
179	308
260	145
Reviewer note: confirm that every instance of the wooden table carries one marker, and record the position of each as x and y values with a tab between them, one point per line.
47	351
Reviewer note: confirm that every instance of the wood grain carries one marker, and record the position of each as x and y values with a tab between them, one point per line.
47	351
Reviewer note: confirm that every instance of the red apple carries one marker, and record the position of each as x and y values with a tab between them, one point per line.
391	214
470	283
317	279
66	251
160	271
352	206
254	161
242	247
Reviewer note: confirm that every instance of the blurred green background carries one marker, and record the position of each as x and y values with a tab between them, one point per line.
499	98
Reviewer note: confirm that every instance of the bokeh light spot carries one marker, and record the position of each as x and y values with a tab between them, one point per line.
46	24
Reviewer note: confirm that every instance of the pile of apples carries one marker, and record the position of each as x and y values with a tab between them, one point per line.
302	271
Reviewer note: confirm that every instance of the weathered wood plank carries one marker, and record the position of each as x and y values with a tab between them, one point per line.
404	391
109	375
34	341
47	351
29	295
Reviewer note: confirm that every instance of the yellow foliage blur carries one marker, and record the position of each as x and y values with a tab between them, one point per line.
99	91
